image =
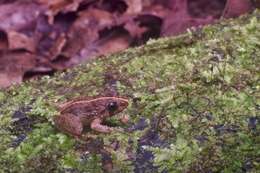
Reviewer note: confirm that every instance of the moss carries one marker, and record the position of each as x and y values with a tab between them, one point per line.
198	94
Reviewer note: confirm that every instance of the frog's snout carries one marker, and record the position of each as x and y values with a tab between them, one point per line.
123	103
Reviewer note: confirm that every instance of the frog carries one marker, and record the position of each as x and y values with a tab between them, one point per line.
74	115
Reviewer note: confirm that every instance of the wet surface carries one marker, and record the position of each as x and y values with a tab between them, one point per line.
144	157
252	123
221	129
22	124
140	125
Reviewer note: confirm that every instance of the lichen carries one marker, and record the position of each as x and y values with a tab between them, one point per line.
197	93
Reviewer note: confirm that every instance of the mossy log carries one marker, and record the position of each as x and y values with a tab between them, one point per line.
194	107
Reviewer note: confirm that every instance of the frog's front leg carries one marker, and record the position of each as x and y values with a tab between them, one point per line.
69	123
97	126
124	119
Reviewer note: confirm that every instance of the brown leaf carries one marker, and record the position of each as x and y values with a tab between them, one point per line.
134	6
56	6
13	65
18	15
202	8
3	41
117	41
85	31
62	33
256	3
57	46
235	8
110	41
134	29
179	19
20	41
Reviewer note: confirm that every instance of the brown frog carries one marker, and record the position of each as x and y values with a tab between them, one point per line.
90	112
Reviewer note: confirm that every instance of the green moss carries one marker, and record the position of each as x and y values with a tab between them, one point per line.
178	157
202	87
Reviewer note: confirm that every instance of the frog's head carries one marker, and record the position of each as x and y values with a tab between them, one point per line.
116	105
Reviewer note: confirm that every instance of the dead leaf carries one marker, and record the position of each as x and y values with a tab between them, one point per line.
179	19
57	46
13	65
56	6
85	31
18	15
117	40
20	41
3	41
134	6
62	33
235	8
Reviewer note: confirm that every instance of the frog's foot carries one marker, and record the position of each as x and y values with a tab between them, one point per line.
97	126
119	129
124	119
69	124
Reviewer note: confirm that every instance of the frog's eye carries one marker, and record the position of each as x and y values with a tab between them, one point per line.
112	106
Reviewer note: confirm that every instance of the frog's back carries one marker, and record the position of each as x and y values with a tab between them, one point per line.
100	108
85	109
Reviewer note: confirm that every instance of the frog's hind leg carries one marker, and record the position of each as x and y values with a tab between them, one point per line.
69	123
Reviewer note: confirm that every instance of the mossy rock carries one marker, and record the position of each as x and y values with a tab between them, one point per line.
194	107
